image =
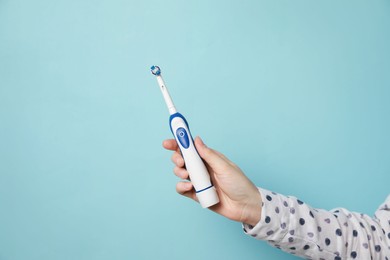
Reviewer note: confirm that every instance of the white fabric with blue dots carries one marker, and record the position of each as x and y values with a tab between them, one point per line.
293	226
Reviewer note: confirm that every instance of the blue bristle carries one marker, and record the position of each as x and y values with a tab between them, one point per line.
155	70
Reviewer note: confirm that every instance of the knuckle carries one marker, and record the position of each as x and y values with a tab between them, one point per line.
174	157
176	171
178	188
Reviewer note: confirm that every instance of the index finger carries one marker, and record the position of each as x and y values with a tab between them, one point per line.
170	144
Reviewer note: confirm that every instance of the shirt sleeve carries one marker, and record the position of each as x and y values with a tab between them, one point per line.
295	227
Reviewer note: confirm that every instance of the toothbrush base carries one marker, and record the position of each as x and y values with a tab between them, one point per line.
208	198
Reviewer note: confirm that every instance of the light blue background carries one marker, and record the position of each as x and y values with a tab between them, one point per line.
295	92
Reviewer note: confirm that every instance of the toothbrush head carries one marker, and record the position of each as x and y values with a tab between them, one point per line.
155	70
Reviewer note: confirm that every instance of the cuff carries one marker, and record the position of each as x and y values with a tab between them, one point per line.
273	223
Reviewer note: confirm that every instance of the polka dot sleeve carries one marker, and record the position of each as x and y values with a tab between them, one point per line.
293	226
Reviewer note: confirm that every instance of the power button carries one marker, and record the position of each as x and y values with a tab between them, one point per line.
183	138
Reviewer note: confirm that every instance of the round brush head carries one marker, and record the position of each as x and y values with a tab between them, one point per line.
155	70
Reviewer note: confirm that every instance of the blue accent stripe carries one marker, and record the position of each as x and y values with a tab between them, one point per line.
205	188
177	114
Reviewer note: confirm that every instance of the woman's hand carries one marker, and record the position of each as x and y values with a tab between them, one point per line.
239	198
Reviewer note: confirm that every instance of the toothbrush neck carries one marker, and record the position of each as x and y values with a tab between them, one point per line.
167	97
172	110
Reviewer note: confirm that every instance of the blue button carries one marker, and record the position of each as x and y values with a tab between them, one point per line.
183	138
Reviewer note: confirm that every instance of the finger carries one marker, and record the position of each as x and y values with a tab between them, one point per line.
177	159
181	173
170	144
186	189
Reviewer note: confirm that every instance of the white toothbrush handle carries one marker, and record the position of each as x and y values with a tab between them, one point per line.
200	178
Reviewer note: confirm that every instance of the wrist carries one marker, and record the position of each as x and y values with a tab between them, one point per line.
252	210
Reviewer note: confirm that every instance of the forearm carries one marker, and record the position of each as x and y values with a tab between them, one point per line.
297	228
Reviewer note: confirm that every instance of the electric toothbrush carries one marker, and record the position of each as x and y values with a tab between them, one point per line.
199	176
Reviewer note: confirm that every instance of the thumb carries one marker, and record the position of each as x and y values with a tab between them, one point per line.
212	158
